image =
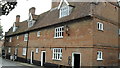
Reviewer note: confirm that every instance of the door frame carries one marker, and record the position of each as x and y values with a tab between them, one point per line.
15	53
31	56
42	57
73	58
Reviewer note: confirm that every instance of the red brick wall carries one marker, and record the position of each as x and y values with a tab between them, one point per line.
16	43
110	56
107	37
107	11
80	36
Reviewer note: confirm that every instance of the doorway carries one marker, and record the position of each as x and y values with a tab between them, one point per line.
32	57
16	52
43	57
76	60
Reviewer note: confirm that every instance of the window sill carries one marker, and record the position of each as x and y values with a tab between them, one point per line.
37	53
99	59
38	36
58	37
23	55
100	30
56	59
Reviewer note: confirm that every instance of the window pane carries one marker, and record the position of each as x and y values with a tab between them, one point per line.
64	11
59	32
57	54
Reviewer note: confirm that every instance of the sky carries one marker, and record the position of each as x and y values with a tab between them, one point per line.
22	9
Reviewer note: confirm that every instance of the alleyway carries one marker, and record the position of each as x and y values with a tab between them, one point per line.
4	63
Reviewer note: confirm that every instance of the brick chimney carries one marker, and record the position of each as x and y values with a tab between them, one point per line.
55	3
17	18
32	10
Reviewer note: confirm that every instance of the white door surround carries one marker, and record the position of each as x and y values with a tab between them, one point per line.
31	57
42	56
15	54
73	58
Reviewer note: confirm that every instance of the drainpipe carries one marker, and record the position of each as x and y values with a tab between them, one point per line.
27	48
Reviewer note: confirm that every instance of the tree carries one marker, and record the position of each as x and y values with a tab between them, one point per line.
1	32
7	7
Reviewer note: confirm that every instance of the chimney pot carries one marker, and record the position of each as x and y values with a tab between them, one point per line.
32	10
17	18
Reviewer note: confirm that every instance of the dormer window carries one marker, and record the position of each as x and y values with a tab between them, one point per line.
14	27
30	17
30	21
64	8
64	11
118	2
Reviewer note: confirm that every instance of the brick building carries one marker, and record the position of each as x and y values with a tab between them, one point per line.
1	46
71	34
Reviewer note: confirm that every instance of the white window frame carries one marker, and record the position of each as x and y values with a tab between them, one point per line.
9	50
25	37
119	31
100	26
59	32
37	50
30	24
16	50
57	54
10	40
17	37
64	11
118	55
99	55
38	33
14	27
24	51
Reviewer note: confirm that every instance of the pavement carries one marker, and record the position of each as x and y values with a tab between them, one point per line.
5	63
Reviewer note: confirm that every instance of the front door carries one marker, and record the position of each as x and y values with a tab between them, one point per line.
32	57
16	52
43	56
76	60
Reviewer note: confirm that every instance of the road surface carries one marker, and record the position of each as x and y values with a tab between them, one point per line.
4	63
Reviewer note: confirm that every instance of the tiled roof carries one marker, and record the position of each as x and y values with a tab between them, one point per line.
52	17
22	26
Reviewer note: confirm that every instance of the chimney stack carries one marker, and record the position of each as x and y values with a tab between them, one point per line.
55	3
32	10
17	18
